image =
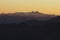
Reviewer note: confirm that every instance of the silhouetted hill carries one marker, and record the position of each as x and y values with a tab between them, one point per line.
21	17
31	29
56	19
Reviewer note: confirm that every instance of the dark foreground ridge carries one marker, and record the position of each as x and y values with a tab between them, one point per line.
32	30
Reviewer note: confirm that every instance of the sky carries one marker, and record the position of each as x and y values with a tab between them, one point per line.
44	6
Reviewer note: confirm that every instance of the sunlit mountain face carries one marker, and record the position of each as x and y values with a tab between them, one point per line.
23	16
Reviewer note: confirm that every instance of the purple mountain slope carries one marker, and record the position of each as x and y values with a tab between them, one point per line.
20	17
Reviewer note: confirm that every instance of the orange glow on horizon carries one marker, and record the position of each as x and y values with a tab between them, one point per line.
45	6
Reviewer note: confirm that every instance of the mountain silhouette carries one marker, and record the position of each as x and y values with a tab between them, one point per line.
21	17
20	27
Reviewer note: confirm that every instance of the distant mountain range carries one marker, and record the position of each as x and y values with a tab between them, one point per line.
28	26
23	16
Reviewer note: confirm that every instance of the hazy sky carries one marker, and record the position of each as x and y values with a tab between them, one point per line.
45	6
